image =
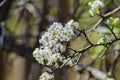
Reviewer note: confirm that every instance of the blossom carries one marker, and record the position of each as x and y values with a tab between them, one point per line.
66	35
46	76
52	42
95	6
55	27
55	58
42	55
45	56
53	45
46	38
68	31
58	47
72	25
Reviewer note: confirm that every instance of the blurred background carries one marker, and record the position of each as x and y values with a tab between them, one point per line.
22	22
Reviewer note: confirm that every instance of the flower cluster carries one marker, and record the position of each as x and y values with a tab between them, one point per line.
95	6
46	76
45	56
52	43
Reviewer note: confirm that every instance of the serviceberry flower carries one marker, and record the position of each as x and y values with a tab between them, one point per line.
68	32
55	27
72	25
45	56
55	58
42	55
46	76
95	7
53	45
58	47
52	42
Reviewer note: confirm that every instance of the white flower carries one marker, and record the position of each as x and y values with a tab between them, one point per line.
55	27
95	6
35	52
76	25
45	38
66	35
57	32
68	31
52	46
50	51
72	25
54	58
51	43
46	76
42	55
45	56
58	47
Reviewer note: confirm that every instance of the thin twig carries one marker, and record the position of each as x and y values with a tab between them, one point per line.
111	31
95	26
2	3
61	66
76	53
102	18
112	12
86	37
79	58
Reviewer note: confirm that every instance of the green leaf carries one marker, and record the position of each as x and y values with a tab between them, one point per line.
97	51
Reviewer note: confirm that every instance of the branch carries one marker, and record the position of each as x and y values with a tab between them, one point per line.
95	26
112	12
102	18
86	37
111	31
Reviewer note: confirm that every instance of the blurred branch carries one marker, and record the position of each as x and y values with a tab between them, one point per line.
108	44
111	31
3	2
4	8
86	37
103	17
76	7
112	12
44	21
114	64
2	30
